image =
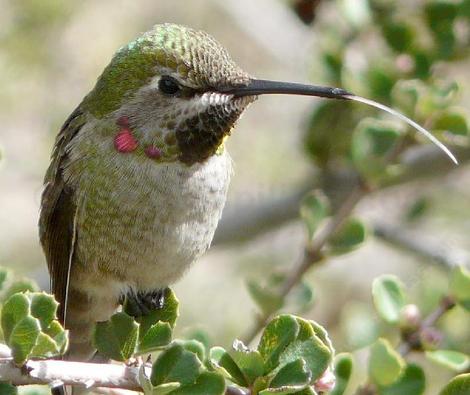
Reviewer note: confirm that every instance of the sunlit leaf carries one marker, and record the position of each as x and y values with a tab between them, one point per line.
460	286
389	297
454	360
117	338
349	237
411	382
459	385
385	364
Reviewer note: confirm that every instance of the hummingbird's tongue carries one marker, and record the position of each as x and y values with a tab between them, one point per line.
261	87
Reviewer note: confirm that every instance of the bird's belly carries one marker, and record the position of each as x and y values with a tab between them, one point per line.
143	226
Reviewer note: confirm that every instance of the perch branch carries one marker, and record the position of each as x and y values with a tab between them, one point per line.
70	373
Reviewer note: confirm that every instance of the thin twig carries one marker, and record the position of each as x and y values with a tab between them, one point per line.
410	241
312	253
412	341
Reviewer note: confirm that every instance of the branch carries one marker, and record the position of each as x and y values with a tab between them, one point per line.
423	246
312	254
71	373
111	376
242	222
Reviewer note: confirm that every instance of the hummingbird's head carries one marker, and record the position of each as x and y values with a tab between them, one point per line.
171	85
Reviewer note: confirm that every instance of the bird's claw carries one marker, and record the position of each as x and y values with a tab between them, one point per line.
143	303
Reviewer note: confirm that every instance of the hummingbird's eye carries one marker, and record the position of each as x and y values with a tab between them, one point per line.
168	85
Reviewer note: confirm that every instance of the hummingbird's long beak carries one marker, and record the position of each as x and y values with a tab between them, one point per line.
261	87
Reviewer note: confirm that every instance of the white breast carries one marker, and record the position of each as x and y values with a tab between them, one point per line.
142	222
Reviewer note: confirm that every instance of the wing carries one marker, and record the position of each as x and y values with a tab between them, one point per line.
56	222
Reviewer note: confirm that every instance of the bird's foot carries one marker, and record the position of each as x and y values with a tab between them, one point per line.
142	303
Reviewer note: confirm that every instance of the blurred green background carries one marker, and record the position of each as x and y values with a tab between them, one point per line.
51	53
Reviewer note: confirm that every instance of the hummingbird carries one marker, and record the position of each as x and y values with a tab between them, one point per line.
139	173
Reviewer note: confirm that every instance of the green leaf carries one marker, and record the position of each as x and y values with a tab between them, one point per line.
440	12
372	140
295	375
464	9
250	362
459	385
453	122
23	338
45	347
328	134
222	362
21	285
454	360
322	334
301	298
399	35
343	369
405	95
5	274
117	338
58	334
44	308
200	335
267	299
417	209
412	382
385	364
277	335
440	15
157	336
193	346
389	297
359	324
8	389
380	81
164	389
314	208
316	355
349	237
175	365
14	310
168	313
207	383
460	286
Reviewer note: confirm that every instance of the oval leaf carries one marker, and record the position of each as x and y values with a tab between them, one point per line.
454	360
250	362
385	364
412	382
277	335
459	385
223	363
23	338
117	338
460	286
175	365
343	369
14	310
314	208
207	383
349	237
157	336
389	297
294	375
